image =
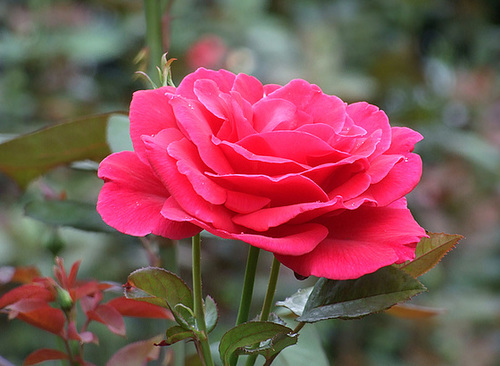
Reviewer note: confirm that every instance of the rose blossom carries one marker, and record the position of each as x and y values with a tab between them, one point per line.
289	169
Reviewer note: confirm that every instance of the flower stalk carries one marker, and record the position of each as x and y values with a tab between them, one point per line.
268	301
199	311
154	35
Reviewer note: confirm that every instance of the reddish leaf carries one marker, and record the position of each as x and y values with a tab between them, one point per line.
44	354
137	353
90	302
18	274
67	282
110	317
73	273
83	337
85	289
38	314
28	291
140	309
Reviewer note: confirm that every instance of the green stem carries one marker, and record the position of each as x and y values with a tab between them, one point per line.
154	36
268	301
199	311
271	289
248	284
247	292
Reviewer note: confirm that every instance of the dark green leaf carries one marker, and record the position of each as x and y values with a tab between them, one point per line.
178	333
429	252
366	295
28	156
211	314
159	287
261	338
78	215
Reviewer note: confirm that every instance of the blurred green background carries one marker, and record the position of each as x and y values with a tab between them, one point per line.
432	65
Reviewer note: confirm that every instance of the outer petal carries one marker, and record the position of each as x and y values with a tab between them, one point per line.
403	140
360	242
400	180
150	112
132	198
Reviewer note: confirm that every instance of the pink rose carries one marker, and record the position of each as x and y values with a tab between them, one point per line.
288	169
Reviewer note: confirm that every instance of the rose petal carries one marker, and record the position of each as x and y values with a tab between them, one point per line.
249	88
360	242
232	109
223	78
381	166
283	144
150	112
131	191
371	119
269	113
334	175
403	140
179	186
199	127
282	191
245	203
327	109
266	218
400	180
245	162
190	165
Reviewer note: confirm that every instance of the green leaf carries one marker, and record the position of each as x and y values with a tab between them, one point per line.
211	314
177	333
429	252
356	298
78	215
261	338
185	317
28	156
297	301
159	287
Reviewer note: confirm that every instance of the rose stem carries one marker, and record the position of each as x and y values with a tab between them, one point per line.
199	312
154	36
247	292
268	301
153	11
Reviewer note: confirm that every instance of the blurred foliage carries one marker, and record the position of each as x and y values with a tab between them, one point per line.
430	64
